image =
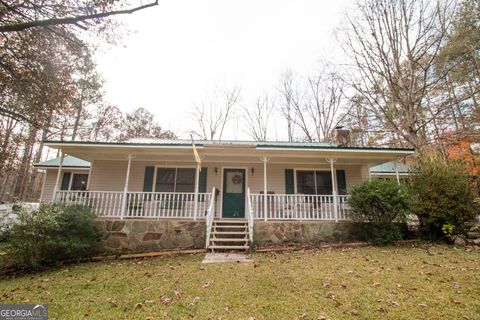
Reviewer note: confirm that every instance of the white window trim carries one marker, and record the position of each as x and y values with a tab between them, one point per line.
154	186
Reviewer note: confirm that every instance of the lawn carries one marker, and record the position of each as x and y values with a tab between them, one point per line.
362	283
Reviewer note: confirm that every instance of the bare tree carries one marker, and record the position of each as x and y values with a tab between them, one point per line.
290	98
258	118
316	107
212	116
393	45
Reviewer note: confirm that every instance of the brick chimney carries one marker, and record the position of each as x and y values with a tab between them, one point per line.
341	136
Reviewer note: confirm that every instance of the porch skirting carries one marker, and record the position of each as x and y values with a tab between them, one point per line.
150	235
278	232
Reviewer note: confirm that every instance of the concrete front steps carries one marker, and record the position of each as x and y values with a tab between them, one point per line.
229	235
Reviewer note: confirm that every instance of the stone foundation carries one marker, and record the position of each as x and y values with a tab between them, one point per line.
278	232
151	235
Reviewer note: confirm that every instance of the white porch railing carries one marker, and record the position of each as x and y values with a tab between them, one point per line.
299	207
103	203
209	218
153	205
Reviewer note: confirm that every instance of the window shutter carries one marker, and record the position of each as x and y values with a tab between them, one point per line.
65	181
341	182
202	180
289	182
148	179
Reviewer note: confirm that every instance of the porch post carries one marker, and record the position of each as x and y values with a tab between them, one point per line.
334	189
265	189
396	172
125	189
195	203
89	176
59	172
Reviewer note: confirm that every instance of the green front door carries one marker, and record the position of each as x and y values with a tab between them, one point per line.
233	193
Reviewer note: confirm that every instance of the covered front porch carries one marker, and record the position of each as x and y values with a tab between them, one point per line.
235	180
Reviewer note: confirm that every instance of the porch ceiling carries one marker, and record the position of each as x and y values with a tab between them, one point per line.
236	154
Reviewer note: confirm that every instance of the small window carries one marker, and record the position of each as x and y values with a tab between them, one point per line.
314	182
175	180
79	182
66	181
75	181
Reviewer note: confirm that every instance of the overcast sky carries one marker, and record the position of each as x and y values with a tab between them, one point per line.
182	51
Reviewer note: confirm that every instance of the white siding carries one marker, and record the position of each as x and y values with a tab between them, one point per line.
110	175
49	185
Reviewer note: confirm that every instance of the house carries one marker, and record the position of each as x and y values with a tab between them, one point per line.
151	194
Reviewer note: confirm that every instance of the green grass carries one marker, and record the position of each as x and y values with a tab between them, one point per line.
362	283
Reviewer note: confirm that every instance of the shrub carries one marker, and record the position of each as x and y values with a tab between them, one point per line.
383	204
444	196
51	234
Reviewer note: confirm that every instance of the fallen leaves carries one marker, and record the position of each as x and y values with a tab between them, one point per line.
177	294
165	300
331	295
300	286
138	305
395	304
195	301
112	302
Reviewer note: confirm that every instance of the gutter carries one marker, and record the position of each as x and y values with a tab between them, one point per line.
119	144
341	150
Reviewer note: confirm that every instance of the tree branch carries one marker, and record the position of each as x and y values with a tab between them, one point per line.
70	20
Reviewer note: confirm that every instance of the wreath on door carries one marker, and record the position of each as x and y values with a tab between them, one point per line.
237	179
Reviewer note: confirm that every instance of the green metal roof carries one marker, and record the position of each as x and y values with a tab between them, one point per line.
68	162
389	167
206	143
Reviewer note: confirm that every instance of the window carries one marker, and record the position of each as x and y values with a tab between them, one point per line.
74	181
175	180
79	182
314	182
